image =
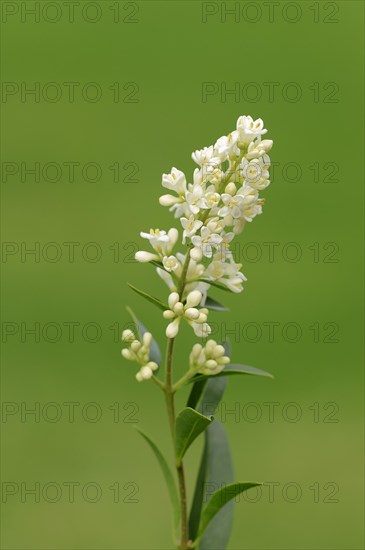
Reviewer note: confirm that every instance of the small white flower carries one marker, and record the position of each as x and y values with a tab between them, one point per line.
170	263
258	148
256	172
175	181
226	146
227	274
249	129
161	241
206	156
210	198
206	241
232	205
190	225
193	197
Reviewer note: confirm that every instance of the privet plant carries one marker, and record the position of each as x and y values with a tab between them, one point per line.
224	195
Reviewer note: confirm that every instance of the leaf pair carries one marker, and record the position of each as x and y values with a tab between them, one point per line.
210	303
232	369
189	424
210	526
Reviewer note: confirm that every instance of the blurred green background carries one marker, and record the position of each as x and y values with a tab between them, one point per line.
160	54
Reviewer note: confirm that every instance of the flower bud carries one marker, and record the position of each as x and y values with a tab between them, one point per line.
210	346
196	254
173	235
179	308
211	364
266	144
127	354
147	339
128	336
168	314
146	373
195	352
135	346
194	298
231	189
143	257
173	328
218	352
152	365
192	313
173	299
167	200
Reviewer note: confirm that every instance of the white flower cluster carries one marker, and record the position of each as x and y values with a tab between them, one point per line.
208	360
195	317
139	352
213	209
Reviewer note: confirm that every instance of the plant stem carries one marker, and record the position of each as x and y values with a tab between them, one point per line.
170	405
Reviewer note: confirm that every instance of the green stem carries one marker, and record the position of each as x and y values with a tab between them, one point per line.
184	379
170	405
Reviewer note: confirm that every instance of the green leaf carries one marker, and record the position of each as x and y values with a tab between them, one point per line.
227	348
170	482
216	285
149	298
210	303
216	464
219	499
155	353
232	369
200	486
196	392
212	396
157	264
189	424
219	472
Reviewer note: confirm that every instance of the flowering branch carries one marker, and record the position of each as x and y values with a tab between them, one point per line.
212	210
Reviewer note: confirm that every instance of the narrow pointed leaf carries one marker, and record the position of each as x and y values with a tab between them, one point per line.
155	353
189	424
170	482
215	466
196	392
200	486
232	369
156	263
216	285
219	473
227	348
210	303
219	499
148	297
213	393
